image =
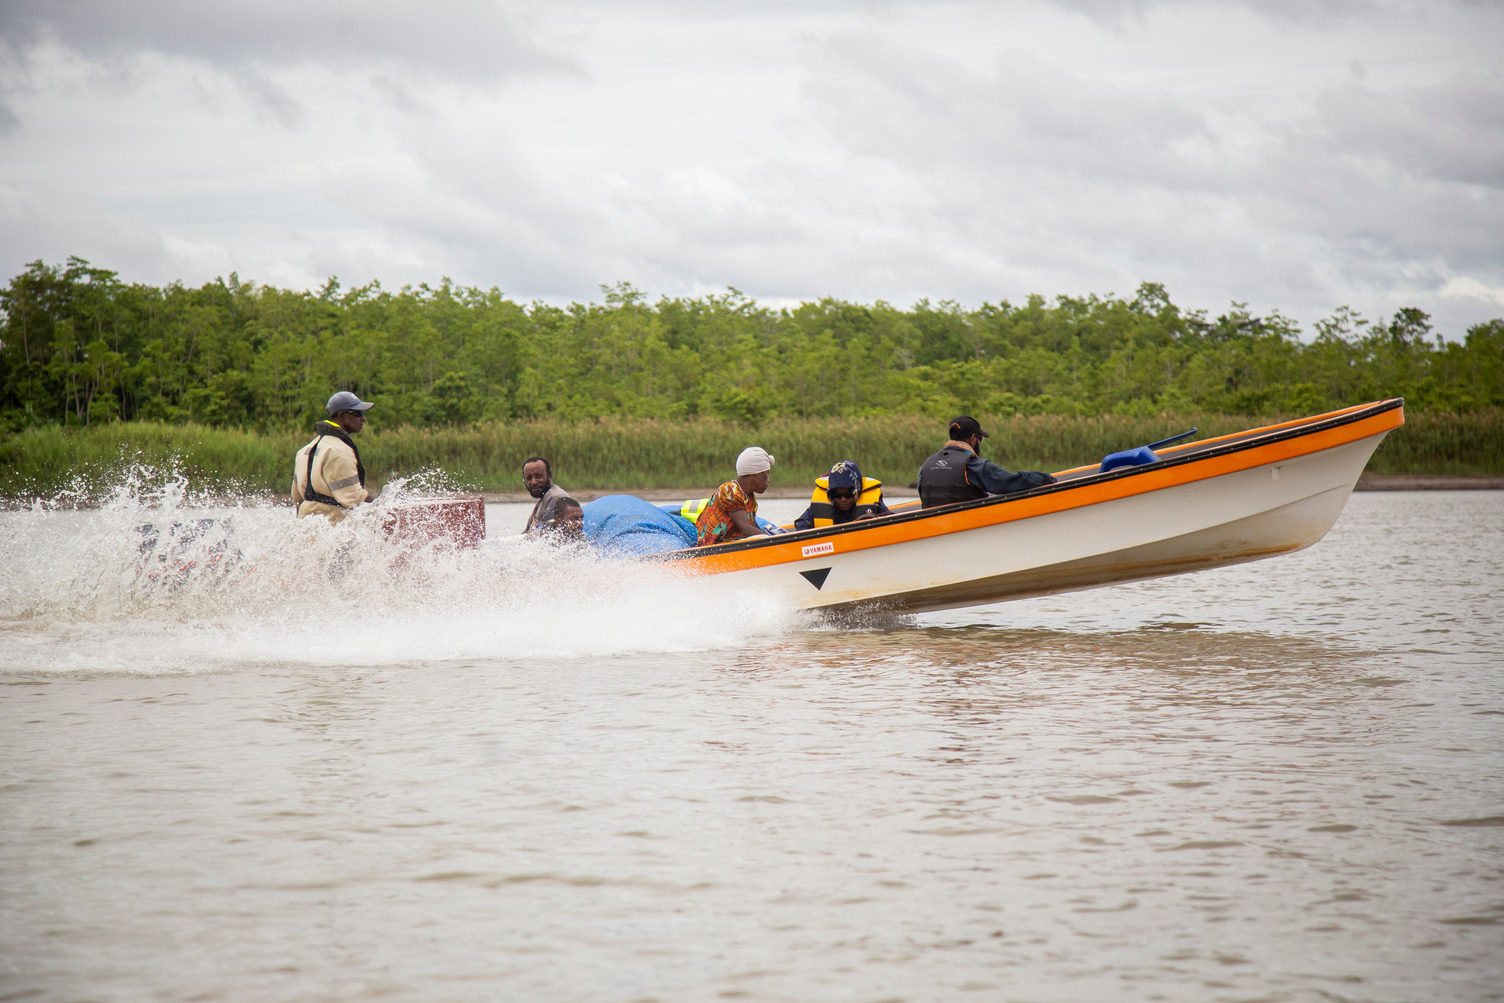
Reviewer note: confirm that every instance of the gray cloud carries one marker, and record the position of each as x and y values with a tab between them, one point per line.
1320	12
933	114
1453	131
1051	174
280	105
1404	186
470	42
452	39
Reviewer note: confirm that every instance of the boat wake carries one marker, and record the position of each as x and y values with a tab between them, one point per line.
156	581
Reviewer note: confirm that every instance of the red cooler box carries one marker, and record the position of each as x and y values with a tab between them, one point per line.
460	521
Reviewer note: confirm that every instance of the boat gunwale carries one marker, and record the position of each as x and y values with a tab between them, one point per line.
1190	453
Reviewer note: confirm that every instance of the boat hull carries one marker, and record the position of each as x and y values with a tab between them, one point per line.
1214	507
1251	537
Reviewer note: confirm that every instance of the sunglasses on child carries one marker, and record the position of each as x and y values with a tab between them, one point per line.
842	495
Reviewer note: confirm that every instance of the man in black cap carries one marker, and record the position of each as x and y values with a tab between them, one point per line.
958	473
327	475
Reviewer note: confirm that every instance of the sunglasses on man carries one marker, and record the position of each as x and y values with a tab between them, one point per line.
842	495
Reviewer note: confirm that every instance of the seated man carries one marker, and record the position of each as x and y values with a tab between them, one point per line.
843	496
567	524
732	510
958	472
538	476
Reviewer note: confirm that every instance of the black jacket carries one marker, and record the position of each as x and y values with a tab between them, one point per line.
957	474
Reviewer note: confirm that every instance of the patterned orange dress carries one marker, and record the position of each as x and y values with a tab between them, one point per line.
714	524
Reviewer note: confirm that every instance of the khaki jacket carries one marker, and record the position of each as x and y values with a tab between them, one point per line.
334	474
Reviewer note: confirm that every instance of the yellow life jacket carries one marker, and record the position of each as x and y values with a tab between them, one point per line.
823	511
691	509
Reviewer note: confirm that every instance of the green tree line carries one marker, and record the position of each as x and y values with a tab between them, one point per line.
79	347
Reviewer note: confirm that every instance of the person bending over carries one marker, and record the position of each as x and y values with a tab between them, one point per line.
538	476
567	524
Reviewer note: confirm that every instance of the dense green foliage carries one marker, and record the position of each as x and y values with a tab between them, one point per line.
634	453
225	379
79	347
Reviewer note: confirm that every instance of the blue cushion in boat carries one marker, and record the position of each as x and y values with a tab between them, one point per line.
1129	458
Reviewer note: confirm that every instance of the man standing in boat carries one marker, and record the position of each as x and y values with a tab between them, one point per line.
958	472
538	476
327	475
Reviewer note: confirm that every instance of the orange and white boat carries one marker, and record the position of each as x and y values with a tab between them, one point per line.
1199	505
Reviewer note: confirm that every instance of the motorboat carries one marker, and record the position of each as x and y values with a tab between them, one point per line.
1147	514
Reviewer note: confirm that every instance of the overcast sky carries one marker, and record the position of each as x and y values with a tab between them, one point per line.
1294	154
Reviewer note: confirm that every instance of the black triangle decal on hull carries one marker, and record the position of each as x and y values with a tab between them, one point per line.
816	577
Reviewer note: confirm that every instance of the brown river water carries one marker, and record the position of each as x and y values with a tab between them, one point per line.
519	773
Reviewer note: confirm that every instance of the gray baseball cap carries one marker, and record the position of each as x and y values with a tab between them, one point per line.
345	401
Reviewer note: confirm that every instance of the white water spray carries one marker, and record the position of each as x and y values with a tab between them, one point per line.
156	580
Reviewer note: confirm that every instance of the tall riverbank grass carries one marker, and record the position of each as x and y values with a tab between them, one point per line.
628	454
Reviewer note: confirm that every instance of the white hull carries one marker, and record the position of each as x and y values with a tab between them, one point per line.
1221	519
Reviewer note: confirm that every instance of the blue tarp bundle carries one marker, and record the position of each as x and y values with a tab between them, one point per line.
624	526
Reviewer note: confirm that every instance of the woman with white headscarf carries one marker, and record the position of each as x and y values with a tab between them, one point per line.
732	511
